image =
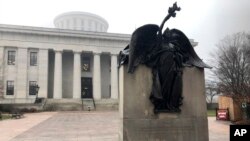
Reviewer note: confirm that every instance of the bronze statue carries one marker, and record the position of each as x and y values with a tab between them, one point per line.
166	54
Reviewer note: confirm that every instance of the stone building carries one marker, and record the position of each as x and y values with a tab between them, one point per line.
76	59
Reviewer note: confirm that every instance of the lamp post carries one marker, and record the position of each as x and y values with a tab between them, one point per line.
37	89
38	100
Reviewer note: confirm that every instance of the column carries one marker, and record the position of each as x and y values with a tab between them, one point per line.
77	75
97	76
43	72
1	72
114	77
58	75
22	57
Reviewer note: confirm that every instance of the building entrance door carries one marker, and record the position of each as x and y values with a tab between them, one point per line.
86	87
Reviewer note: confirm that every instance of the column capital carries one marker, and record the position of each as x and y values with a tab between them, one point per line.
24	47
113	54
42	49
77	51
58	50
96	53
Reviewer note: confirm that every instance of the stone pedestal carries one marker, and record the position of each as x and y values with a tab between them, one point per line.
139	123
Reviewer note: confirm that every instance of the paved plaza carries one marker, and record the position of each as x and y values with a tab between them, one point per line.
80	126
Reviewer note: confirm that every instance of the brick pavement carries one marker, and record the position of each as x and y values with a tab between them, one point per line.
218	130
75	126
11	128
84	126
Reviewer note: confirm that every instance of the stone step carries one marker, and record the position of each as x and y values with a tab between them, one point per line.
70	104
88	104
80	104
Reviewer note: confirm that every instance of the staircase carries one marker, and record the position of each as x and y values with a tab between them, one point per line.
70	104
88	104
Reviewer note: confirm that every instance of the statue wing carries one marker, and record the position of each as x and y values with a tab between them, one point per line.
183	45
143	41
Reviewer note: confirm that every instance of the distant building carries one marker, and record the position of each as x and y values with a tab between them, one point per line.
235	106
77	59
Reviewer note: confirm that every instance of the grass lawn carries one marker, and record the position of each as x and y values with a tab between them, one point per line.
211	113
5	116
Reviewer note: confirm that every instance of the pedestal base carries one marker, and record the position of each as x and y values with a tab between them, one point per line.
138	121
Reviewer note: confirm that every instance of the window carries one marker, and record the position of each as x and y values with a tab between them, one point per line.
67	24
96	26
75	24
82	24
89	25
33	58
11	57
86	64
32	87
10	88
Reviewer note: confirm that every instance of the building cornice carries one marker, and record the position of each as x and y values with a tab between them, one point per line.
42	31
63	32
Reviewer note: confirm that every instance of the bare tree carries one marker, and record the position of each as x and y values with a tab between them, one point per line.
232	64
212	90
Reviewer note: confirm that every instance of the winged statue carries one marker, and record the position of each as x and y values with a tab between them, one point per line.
166	53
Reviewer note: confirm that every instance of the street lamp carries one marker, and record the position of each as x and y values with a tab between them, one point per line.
37	89
38	100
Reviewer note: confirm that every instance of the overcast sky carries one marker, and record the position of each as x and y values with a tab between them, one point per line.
205	21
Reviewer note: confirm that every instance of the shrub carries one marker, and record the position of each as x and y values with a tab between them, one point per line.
32	110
